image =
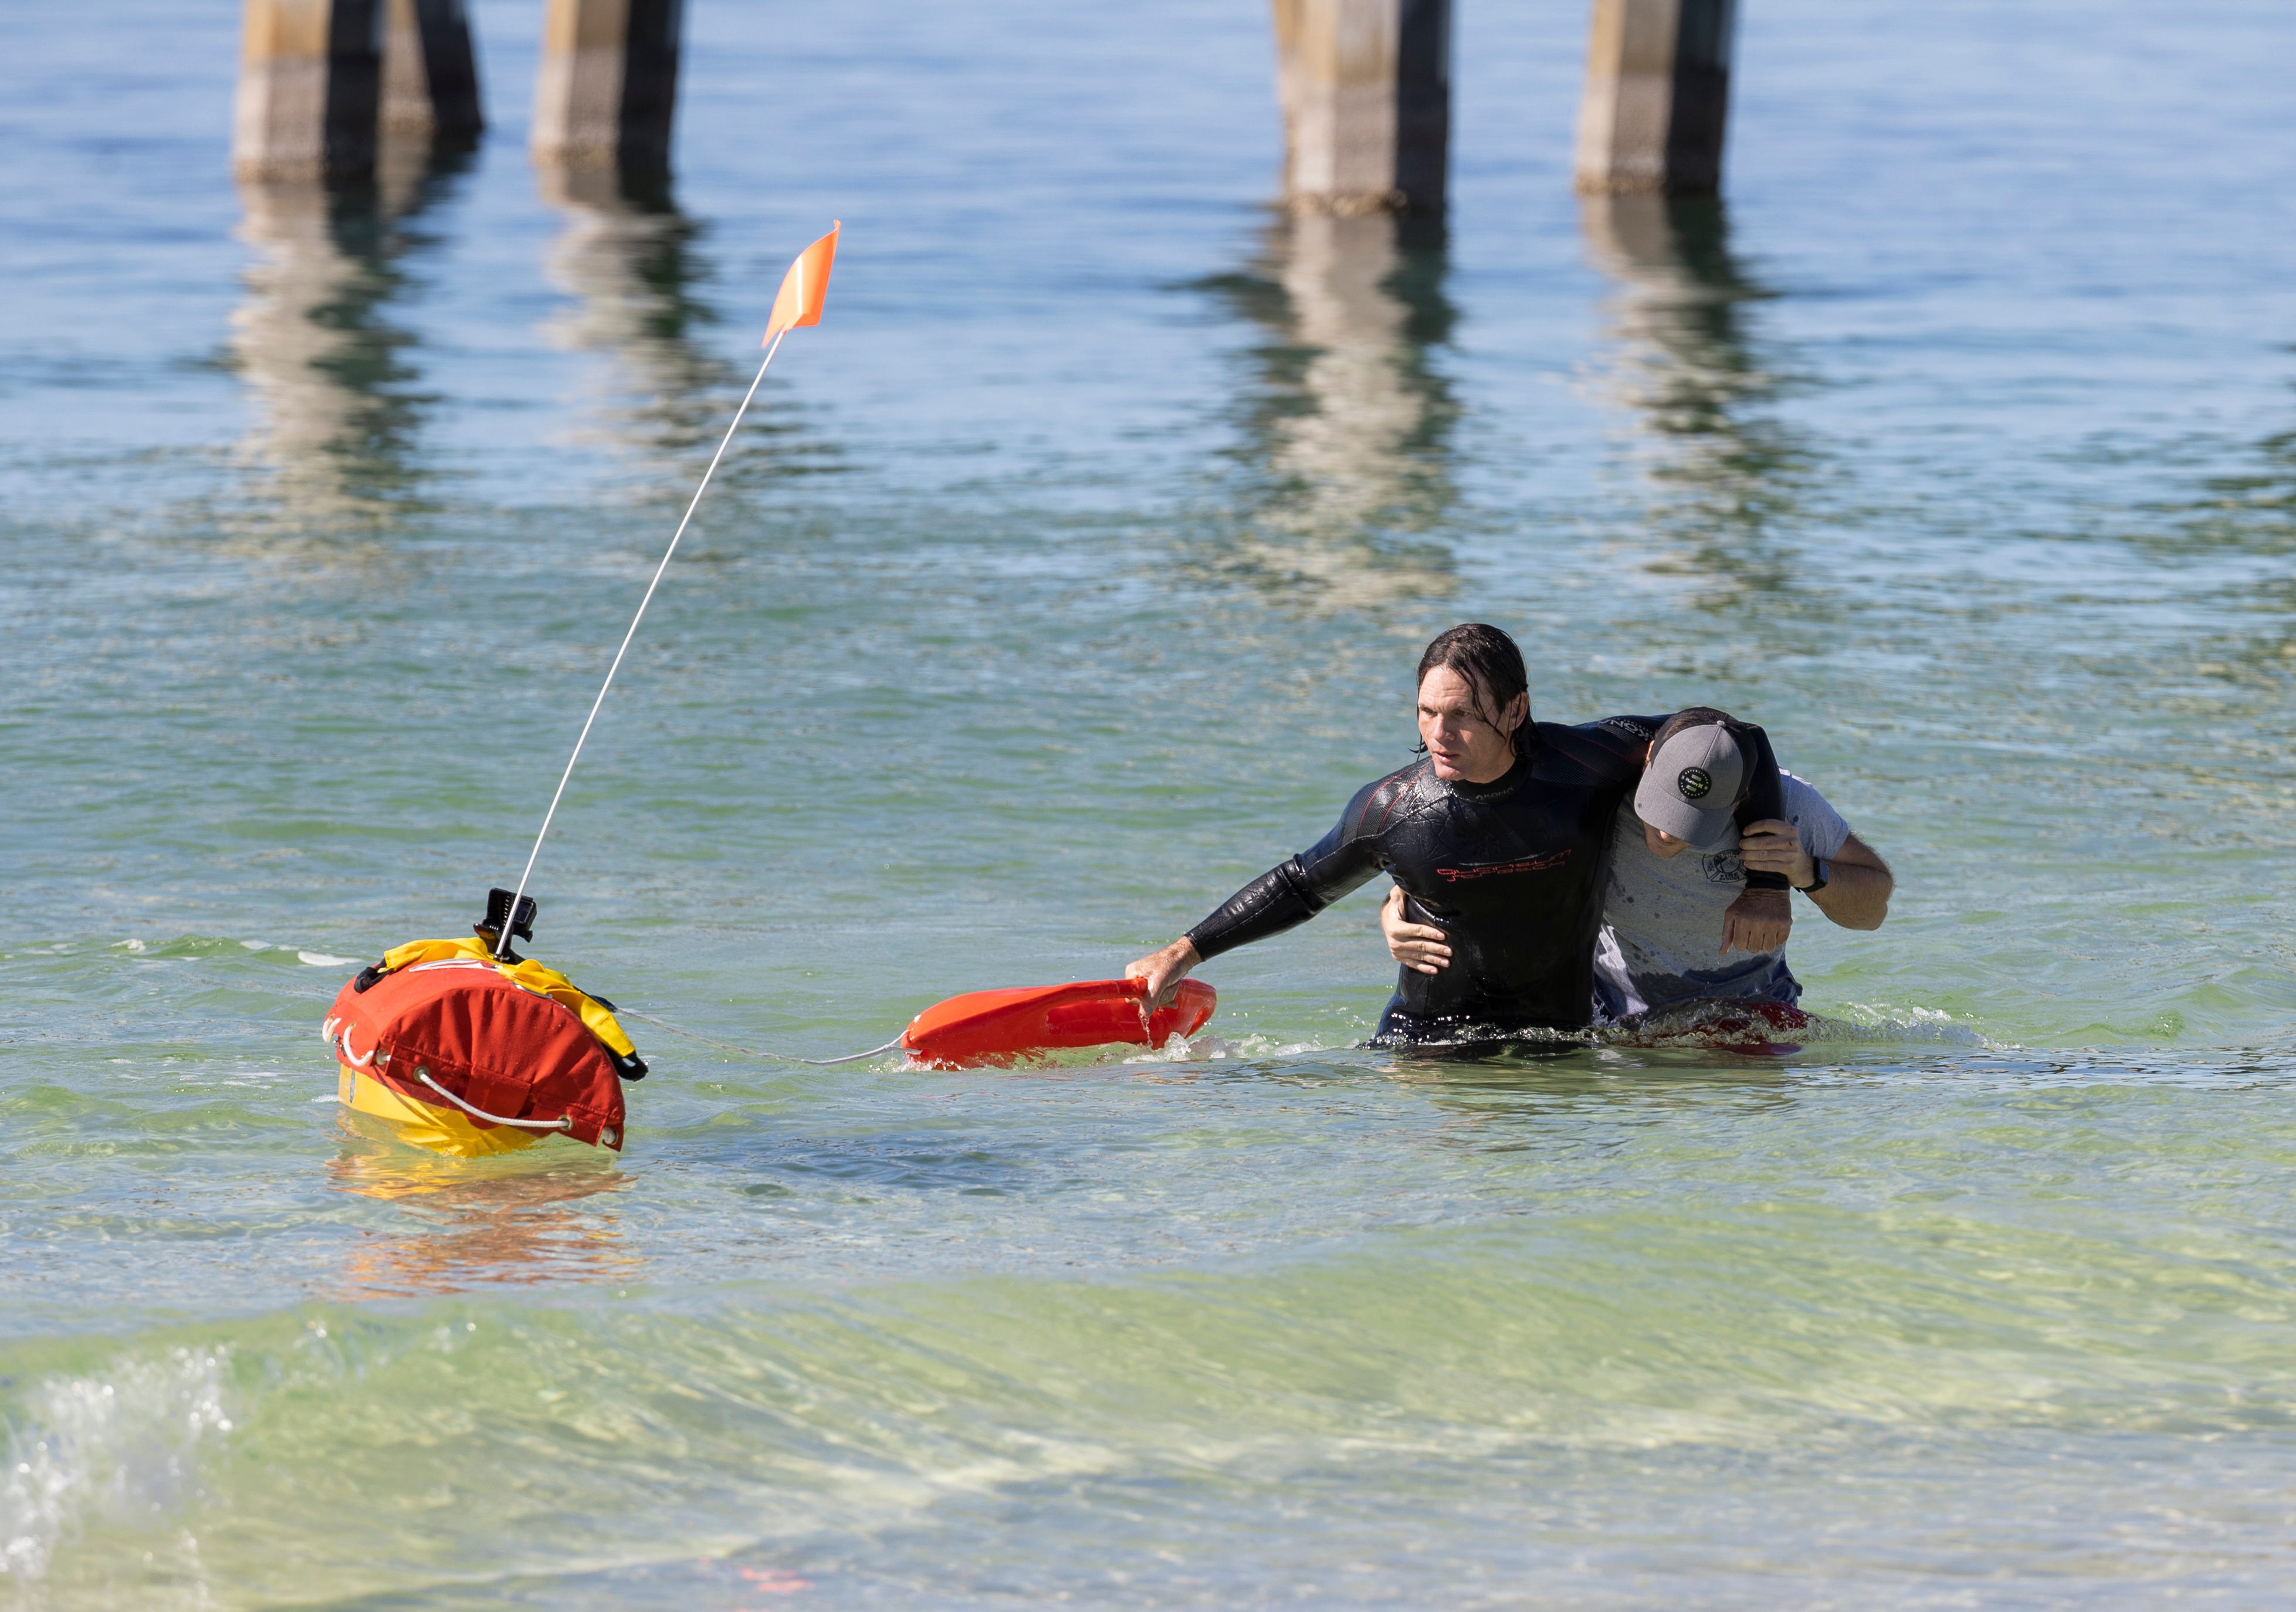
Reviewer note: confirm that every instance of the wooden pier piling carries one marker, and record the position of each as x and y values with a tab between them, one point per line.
1366	89
1657	96
430	72
608	86
310	73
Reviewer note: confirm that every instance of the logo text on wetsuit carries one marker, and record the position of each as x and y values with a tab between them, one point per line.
1528	864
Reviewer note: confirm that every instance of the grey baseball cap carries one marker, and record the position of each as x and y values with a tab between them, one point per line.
1694	782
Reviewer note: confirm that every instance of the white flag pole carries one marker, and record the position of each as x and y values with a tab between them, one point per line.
502	939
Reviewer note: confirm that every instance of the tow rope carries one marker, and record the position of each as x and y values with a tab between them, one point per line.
893	1045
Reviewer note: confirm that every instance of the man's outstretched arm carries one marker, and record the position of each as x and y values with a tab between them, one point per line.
1283	898
1278	900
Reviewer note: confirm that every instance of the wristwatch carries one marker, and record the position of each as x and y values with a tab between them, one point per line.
1818	883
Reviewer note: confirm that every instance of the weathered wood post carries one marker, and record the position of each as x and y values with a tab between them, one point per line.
1366	89
608	87
430	72
309	74
1657	96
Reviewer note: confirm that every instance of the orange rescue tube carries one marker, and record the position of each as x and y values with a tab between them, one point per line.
998	1027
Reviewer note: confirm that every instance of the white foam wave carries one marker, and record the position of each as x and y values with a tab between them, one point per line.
195	947
1727	1026
1213	1048
1880	1021
122	1444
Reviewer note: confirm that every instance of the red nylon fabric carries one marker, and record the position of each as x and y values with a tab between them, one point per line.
496	1046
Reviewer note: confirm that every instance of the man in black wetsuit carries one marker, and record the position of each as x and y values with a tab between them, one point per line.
1502	835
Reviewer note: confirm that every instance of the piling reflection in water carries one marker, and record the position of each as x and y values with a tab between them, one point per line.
2249	509
1727	471
627	259
337	407
1348	425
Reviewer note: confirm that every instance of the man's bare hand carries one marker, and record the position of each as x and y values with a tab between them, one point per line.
1772	846
1162	971
1416	946
1759	921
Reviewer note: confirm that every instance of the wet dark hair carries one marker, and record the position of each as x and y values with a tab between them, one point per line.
1488	658
1695	716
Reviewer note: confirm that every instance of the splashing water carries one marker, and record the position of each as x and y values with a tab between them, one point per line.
117	1453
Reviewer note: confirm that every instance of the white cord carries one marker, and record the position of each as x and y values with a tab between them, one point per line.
818	1063
564	1121
503	944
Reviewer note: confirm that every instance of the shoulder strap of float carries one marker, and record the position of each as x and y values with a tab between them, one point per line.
597	1017
435	951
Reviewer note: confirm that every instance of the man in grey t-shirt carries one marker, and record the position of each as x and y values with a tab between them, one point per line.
1661	944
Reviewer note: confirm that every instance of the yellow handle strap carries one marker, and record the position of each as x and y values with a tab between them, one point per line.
528	975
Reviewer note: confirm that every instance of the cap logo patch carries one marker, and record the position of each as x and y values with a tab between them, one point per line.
1694	784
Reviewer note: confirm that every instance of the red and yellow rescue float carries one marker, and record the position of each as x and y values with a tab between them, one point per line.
467	1052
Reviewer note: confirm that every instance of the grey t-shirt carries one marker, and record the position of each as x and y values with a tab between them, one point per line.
1661	939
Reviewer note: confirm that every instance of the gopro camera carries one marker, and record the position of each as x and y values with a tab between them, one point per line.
500	922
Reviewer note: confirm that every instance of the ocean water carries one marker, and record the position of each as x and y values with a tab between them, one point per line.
1071	572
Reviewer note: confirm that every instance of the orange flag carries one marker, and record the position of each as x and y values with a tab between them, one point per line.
804	287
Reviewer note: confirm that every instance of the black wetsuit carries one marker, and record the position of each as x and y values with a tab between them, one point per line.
1512	871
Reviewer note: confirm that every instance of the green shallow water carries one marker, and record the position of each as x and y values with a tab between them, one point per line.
1071	574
